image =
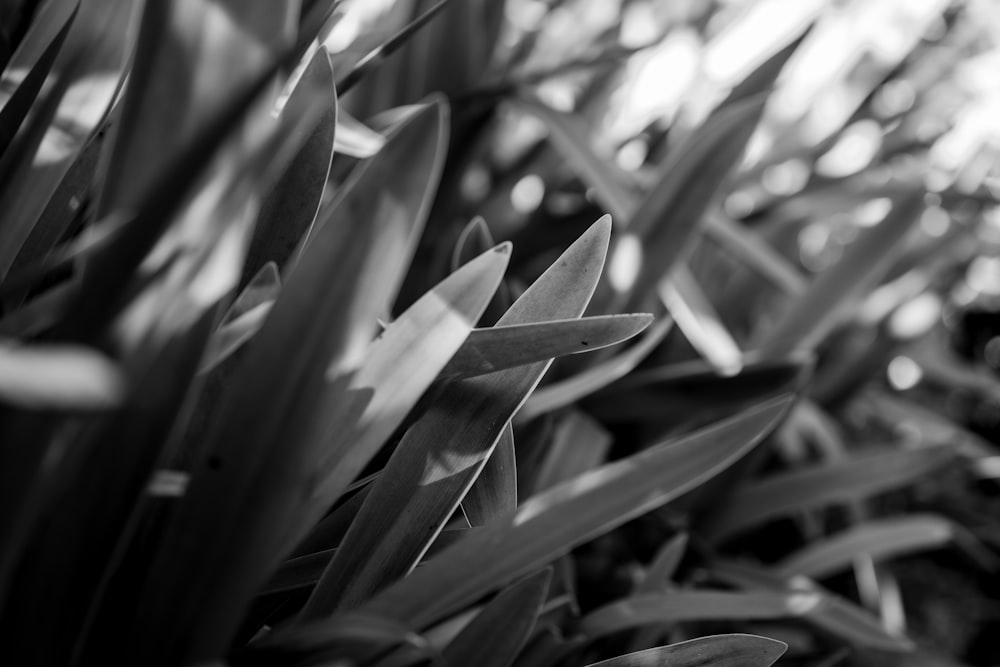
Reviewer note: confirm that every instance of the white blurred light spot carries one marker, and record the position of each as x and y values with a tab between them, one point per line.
894	98
872	212
983	275
799	604
739	204
904	373
632	154
558	94
916	317
935	221
786	178
527	194
639	25
853	151
527	15
626	259
658	79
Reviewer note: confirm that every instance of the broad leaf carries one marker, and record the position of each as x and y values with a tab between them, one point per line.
734	650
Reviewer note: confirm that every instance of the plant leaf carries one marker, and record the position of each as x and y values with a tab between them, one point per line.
565	392
502	347
699	322
291	207
814	486
553	522
493	495
733	650
825	610
442	454
64	377
498	633
579	445
815	312
244	504
877	538
244	318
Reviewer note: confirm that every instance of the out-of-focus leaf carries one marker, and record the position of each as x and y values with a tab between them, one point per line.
815	312
748	246
571	137
66	377
564	392
825	610
553	522
660	232
15	109
493	495
579	445
355	139
246	497
814	486
290	208
661	570
442	454
699	322
244	318
877	538
507	346
734	650
498	633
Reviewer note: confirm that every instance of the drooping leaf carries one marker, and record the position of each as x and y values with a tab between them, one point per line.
442	454
811	487
734	650
507	346
498	633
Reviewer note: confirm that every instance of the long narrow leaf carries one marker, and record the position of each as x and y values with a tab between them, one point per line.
815	486
734	650
442	454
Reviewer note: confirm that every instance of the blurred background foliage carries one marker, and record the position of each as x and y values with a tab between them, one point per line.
803	192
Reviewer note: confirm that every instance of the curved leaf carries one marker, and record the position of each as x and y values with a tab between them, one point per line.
734	650
814	486
442	454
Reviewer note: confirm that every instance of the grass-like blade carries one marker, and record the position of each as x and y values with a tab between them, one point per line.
15	109
553	522
442	454
245	500
817	310
502	347
401	366
877	538
493	495
579	445
290	208
823	609
843	481
497	633
732	650
244	318
700	323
